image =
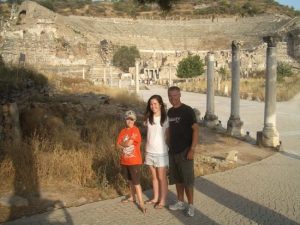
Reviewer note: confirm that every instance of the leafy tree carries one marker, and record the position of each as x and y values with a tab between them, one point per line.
125	57
283	70
191	66
165	5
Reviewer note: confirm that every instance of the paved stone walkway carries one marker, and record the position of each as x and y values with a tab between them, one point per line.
265	193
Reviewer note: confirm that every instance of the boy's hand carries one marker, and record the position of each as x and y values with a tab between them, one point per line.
128	150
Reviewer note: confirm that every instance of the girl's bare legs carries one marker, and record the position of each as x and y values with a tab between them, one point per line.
132	191
163	184
138	190
155	184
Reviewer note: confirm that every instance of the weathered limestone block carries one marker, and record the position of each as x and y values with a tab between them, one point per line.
198	114
270	136
232	156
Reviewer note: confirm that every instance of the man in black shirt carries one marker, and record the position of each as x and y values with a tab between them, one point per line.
182	138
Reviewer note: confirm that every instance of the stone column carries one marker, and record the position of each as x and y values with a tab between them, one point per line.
210	119
110	77
83	74
137	63
234	124
270	136
104	75
170	76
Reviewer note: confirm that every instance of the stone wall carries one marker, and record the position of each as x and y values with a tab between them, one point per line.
251	60
67	46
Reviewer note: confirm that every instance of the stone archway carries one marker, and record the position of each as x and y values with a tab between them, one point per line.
21	16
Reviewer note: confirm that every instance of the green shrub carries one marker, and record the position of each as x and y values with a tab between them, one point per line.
283	70
165	5
125	57
191	66
224	73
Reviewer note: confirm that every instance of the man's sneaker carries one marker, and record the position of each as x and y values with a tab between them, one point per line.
190	210
179	205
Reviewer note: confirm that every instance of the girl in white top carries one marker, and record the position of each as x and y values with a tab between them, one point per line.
157	150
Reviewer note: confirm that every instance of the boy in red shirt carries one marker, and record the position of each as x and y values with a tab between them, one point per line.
129	142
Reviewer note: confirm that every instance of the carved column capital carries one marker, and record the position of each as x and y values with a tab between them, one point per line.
210	56
235	45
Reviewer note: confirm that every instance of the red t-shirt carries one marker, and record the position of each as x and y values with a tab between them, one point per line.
135	158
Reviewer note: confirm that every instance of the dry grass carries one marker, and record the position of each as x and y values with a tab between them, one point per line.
288	88
66	138
65	157
80	86
251	89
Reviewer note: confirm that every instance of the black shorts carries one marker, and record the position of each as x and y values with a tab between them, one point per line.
181	170
132	173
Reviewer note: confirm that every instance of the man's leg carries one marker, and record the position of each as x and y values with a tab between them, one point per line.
189	191
175	178
180	192
179	205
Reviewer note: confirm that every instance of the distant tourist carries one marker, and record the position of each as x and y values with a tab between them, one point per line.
183	138
129	142
157	150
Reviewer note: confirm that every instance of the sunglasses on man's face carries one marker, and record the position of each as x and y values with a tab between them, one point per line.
130	119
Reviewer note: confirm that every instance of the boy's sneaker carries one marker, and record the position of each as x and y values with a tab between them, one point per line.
190	211
179	205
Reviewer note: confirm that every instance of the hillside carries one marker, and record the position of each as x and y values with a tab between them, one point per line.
83	45
182	8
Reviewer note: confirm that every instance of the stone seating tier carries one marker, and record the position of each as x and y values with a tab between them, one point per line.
173	35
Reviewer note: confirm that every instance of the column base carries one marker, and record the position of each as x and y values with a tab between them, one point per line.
269	137
210	120
234	127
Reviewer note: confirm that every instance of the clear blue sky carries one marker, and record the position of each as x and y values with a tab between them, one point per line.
294	3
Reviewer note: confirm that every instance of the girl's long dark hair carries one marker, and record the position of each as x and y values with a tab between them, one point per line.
149	114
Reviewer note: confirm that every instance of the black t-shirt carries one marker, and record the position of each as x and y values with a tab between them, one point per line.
181	120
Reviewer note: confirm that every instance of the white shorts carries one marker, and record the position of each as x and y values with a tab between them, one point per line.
157	160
